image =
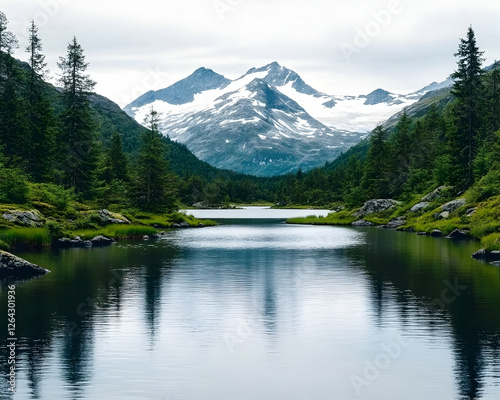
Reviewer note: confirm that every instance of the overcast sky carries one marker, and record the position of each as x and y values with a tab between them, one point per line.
338	47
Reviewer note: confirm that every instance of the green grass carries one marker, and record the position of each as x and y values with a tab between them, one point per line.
4	246
343	217
31	237
491	242
116	231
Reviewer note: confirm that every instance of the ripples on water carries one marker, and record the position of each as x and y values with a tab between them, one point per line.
261	310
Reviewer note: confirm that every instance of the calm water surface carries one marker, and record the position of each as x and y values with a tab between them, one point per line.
257	309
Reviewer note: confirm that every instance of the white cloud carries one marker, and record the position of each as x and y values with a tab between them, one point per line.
125	40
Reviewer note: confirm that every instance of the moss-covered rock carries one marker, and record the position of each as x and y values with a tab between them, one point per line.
12	266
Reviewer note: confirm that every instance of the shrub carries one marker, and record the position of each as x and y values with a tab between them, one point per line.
4	246
13	186
55	230
52	194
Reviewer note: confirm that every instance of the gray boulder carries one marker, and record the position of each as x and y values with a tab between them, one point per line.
437	233
362	222
436	194
442	215
396	223
453	205
66	243
12	266
31	218
112	218
470	212
201	205
101	241
420	206
375	206
487	255
458	234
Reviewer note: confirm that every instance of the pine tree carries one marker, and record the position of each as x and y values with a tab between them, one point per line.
115	161
78	140
374	181
468	89
153	186
401	149
492	101
41	128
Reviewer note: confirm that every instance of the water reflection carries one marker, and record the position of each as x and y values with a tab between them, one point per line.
305	290
462	293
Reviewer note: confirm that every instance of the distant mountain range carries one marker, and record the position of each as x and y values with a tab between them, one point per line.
268	121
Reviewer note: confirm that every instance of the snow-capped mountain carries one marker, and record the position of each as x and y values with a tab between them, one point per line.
268	121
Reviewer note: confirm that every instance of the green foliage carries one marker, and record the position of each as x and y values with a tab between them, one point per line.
78	158
343	217
13	186
55	230
4	246
153	185
31	237
491	242
52	194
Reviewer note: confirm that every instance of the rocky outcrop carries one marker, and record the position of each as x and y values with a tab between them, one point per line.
77	242
375	206
458	234
181	225
453	205
442	215
437	233
108	217
420	206
362	222
66	243
31	218
470	212
101	241
394	224
487	255
436	194
12	266
201	205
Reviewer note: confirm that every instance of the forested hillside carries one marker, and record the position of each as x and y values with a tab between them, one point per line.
450	137
71	140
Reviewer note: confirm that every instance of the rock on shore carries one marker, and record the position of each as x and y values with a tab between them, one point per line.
12	266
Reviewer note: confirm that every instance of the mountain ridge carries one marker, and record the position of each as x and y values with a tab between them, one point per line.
214	122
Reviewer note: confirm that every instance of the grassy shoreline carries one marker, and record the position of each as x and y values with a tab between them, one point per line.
86	225
482	224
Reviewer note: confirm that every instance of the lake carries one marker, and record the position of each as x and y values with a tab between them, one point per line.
258	309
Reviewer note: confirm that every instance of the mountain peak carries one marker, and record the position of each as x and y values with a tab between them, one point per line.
183	91
204	72
378	96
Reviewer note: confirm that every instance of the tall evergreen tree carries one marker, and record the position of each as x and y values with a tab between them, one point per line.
468	89
374	181
401	149
153	186
78	138
492	101
12	118
115	162
41	122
